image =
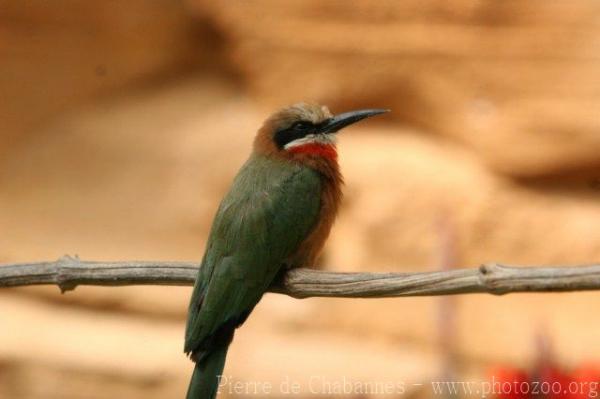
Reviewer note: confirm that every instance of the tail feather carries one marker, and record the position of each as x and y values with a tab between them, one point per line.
207	372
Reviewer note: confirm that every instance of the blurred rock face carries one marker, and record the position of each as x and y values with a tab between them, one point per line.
492	145
515	81
58	55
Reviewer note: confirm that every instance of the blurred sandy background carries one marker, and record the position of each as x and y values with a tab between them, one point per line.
122	124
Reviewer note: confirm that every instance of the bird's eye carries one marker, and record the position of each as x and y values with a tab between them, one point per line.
301	125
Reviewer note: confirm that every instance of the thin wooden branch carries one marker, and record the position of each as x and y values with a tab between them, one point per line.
68	272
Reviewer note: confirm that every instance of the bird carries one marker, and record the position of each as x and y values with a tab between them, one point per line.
277	215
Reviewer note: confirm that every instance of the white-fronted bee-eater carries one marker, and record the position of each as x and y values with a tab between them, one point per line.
277	215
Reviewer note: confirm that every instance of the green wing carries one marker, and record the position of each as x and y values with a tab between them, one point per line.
271	208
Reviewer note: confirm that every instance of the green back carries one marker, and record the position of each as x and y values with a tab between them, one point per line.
271	208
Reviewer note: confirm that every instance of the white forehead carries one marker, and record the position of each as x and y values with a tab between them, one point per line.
308	112
285	117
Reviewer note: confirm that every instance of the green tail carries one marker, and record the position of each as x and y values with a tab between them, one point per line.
205	380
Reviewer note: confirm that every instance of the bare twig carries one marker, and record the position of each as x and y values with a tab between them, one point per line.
68	272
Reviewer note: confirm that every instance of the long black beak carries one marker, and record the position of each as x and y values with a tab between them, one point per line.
340	121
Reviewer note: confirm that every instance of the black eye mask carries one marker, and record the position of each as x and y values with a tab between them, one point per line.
296	131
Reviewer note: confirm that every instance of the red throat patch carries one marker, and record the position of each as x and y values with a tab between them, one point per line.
321	150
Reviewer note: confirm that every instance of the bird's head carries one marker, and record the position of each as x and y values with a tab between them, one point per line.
306	131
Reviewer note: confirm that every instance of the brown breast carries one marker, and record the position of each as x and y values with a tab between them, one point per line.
331	196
